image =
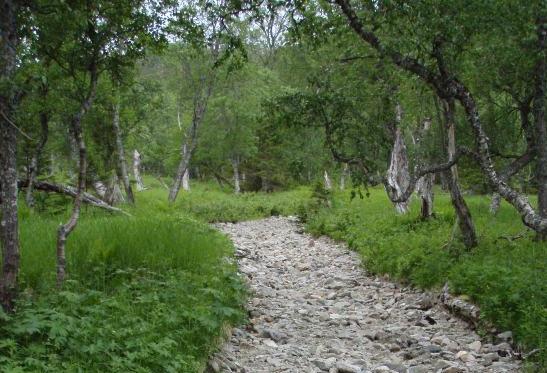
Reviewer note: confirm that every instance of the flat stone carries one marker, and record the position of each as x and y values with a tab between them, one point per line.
344	367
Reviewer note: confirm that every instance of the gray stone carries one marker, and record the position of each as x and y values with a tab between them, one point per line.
324	364
344	367
505	336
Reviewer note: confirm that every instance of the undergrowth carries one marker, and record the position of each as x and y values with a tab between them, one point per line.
505	275
153	292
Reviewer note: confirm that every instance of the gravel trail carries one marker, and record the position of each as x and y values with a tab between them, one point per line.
315	309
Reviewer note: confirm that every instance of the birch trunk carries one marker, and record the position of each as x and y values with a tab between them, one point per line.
424	185
137	170
463	215
345	173
120	153
203	91
522	161
8	157
76	123
100	188
424	189
235	166
186	176
326	180
398	176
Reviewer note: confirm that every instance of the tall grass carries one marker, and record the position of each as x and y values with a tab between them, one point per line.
150	292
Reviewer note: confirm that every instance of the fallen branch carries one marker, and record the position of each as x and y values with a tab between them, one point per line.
70	191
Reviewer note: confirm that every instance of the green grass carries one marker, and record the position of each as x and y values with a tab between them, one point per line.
505	276
151	292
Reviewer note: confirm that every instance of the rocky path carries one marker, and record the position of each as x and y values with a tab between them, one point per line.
314	309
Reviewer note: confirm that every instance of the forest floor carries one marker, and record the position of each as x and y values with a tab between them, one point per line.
314	308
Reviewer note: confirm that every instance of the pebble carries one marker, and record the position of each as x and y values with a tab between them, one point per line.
314	308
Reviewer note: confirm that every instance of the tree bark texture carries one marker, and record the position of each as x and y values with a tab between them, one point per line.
345	173
186	176
326	180
235	167
424	186
120	153
463	215
398	176
137	170
518	163
9	223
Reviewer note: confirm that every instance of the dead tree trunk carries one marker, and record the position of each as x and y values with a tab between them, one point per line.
326	180
235	166
186	176
424	189
120	153
76	124
70	191
398	176
463	215
33	169
345	173
8	156
137	170
539	119
424	185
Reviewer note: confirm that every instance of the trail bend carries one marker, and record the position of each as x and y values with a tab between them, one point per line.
314	308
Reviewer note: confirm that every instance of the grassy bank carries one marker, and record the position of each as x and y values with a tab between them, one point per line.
505	275
151	292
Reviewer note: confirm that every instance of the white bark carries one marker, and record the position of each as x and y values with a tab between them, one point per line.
235	166
186	176
328	183
137	170
398	176
345	173
100	188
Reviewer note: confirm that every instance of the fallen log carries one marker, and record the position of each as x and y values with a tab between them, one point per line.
69	191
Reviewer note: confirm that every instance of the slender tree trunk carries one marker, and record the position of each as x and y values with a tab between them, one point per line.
327	182
120	153
187	148
463	215
424	189
8	155
519	163
398	176
345	173
539	118
235	166
137	170
64	230
424	185
186	176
